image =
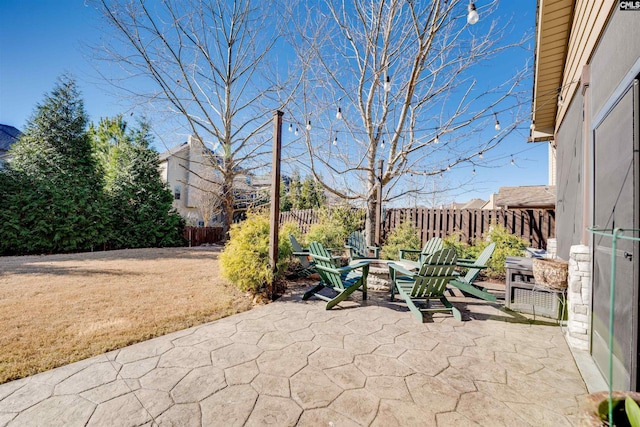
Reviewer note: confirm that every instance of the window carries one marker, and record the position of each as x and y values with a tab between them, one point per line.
176	192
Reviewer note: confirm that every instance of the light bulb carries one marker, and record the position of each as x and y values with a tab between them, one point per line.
474	171
532	126
382	145
436	140
339	114
387	84
309	125
513	163
559	100
335	141
472	15
290	127
449	167
497	126
481	155
296	132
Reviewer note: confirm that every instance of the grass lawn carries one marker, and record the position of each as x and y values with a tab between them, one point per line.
57	309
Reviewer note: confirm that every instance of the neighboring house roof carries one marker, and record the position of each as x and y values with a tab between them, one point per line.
474	204
527	197
8	136
173	151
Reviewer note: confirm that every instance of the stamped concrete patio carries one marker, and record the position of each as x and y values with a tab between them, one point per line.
293	363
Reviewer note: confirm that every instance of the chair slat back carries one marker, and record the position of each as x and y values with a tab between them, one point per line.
434	274
325	265
358	240
433	245
297	247
483	258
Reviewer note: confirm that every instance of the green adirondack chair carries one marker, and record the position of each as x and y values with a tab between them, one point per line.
344	280
308	266
474	266
358	247
429	283
433	245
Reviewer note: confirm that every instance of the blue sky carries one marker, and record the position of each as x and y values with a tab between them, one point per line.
42	39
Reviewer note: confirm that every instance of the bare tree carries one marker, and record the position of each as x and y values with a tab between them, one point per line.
207	62
393	80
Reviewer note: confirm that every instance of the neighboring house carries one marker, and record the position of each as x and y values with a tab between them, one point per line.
586	103
8	136
471	204
526	197
189	174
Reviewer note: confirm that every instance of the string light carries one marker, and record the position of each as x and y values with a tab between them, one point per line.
335	140
560	100
339	114
513	163
382	145
296	132
532	126
309	125
436	140
290	127
449	167
474	171
481	156
497	126
387	84
472	15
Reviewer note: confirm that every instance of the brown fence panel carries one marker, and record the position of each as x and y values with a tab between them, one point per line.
197	236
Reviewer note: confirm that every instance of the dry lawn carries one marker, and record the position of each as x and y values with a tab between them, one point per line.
58	309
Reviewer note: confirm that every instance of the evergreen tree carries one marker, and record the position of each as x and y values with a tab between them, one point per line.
57	190
312	193
141	204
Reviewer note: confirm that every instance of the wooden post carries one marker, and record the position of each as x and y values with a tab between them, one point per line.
379	207
275	196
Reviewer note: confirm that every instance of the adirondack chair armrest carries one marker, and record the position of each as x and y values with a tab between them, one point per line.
466	260
400	269
302	253
355	266
403	252
375	249
462	263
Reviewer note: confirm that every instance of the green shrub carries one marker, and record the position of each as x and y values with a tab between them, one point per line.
507	244
463	249
245	259
405	236
329	235
335	225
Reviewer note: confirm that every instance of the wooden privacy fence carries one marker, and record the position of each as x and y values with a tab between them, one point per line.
533	225
304	218
197	236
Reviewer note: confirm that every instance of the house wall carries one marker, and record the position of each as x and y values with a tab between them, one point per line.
615	56
569	212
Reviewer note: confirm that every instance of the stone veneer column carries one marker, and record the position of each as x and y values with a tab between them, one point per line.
579	298
552	248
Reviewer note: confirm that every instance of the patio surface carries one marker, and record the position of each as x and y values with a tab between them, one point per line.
292	362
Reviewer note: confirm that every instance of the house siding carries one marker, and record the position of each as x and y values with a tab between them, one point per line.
569	201
616	54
